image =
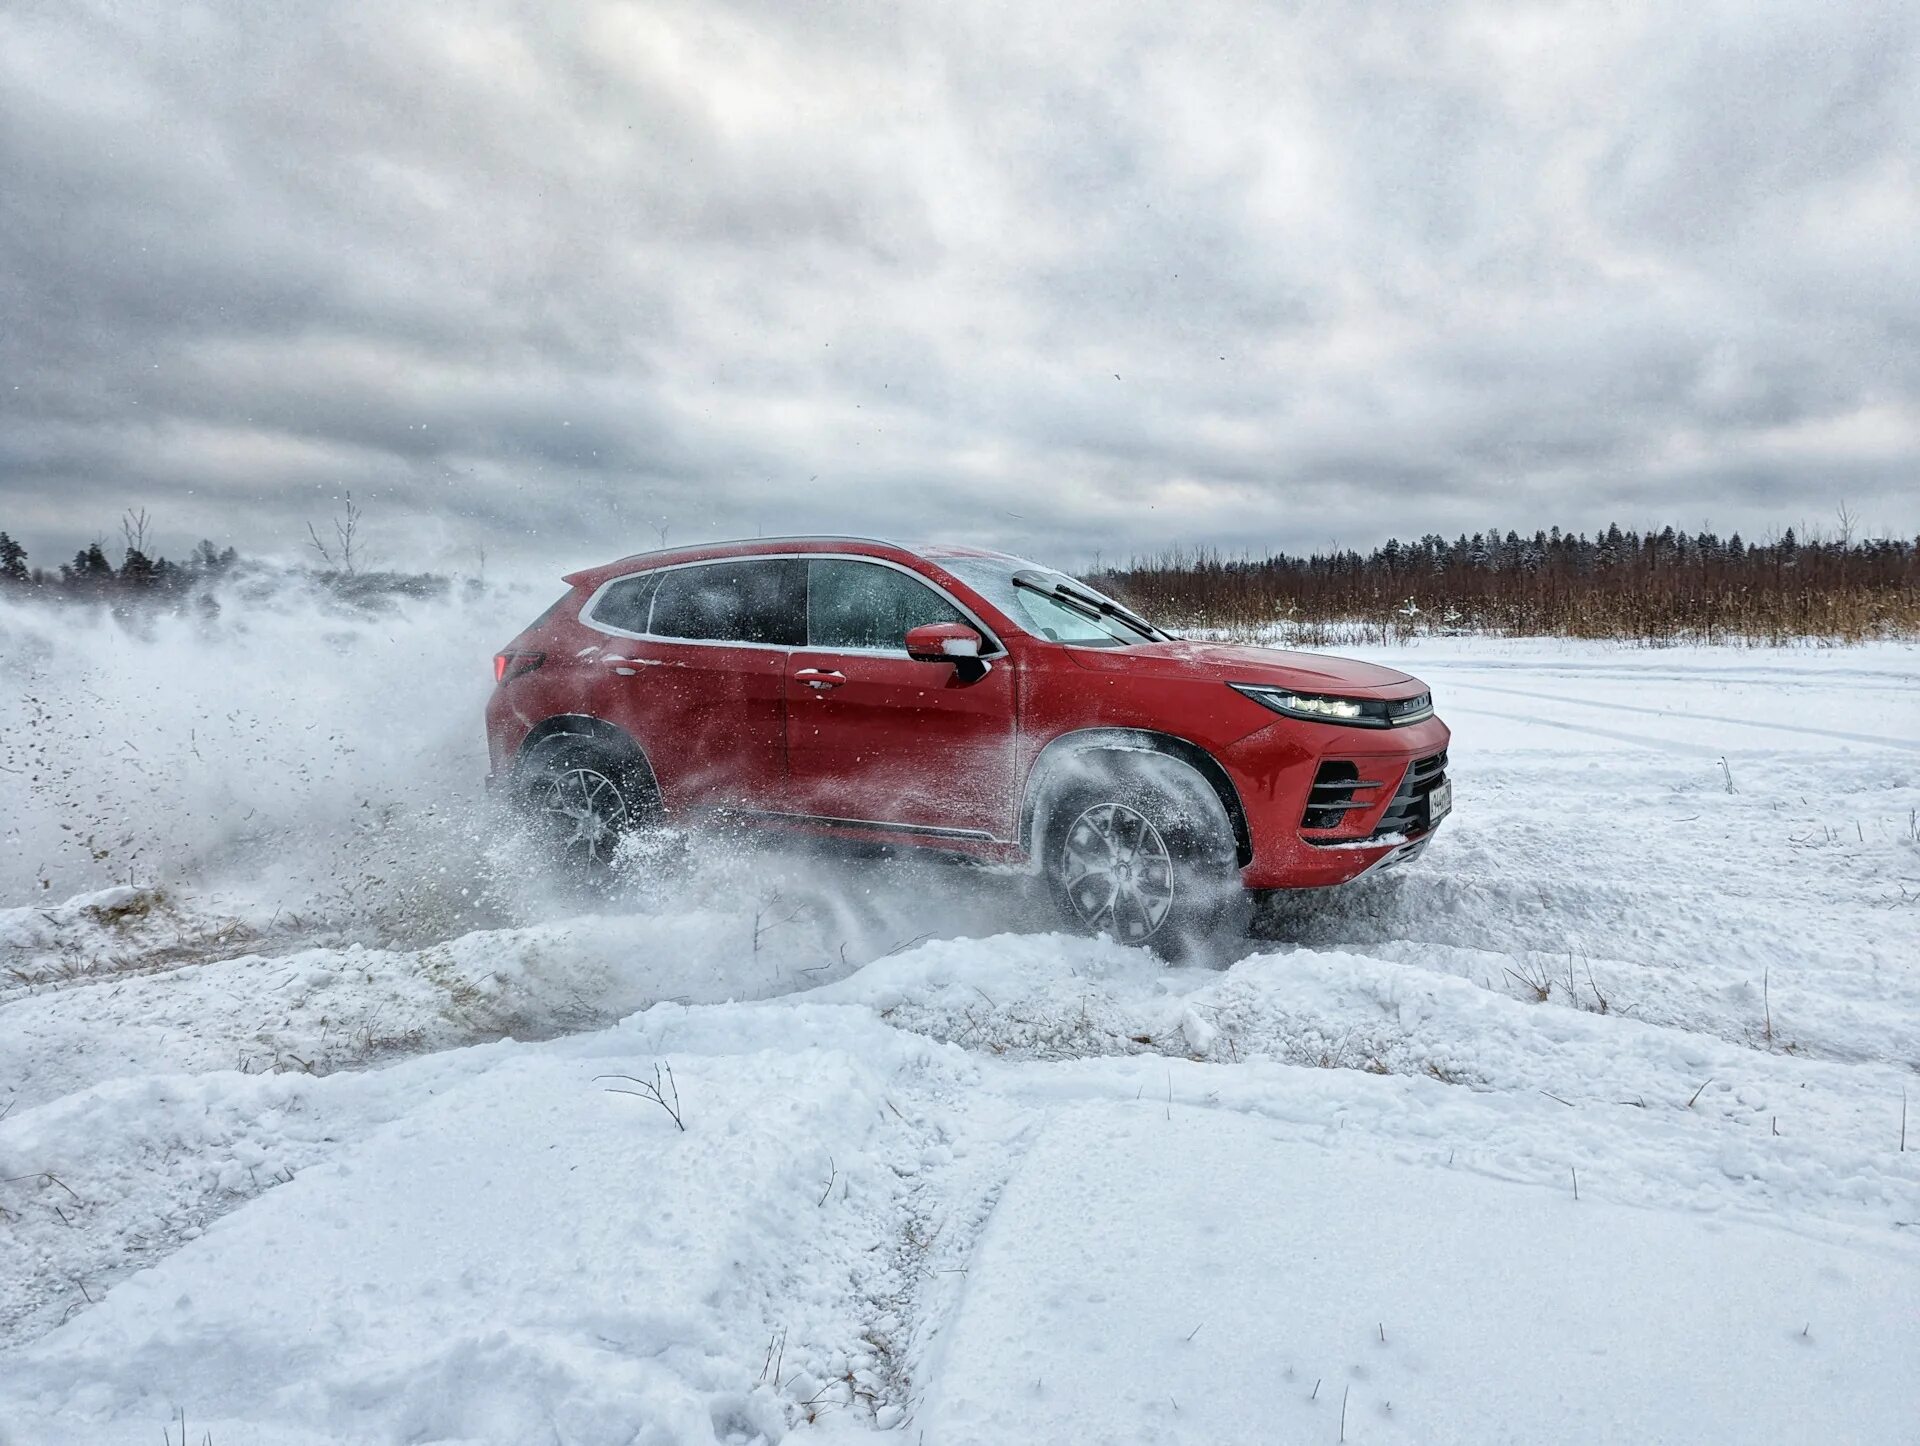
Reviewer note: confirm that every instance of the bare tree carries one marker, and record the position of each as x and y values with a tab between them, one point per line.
133	527
347	553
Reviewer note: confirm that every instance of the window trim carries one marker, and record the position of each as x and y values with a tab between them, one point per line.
994	647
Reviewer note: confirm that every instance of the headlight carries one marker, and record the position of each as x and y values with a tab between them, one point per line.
1327	708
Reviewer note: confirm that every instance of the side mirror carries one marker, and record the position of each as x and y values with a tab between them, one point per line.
954	643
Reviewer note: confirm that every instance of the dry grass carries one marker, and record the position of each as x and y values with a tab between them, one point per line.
145	933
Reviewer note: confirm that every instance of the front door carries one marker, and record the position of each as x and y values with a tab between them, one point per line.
874	736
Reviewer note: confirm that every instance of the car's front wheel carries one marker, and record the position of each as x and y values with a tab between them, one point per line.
1145	864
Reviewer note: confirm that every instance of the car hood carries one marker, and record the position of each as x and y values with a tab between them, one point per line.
1236	663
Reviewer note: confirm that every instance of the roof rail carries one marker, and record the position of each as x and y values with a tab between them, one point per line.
780	537
734	542
796	537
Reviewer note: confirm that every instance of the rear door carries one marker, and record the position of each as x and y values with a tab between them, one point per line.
875	737
700	678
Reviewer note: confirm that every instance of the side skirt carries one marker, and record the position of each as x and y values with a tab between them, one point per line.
864	825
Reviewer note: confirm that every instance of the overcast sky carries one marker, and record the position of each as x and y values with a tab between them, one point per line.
550	277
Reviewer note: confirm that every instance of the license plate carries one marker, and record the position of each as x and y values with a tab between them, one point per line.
1439	802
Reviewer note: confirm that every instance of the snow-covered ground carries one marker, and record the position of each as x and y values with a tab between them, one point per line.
321	1125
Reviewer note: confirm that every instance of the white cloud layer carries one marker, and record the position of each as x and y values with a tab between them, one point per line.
1063	277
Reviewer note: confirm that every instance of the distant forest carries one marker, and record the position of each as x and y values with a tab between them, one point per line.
1650	586
1653	586
143	578
92	575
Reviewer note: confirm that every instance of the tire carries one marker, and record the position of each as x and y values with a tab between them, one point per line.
1145	861
583	799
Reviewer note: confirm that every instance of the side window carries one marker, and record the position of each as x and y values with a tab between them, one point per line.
624	605
755	600
863	605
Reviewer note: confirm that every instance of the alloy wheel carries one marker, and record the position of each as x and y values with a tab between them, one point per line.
587	813
1117	872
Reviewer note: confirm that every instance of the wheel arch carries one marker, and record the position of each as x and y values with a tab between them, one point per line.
551	733
1049	774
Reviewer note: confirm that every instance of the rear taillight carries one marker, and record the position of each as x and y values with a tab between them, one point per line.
511	664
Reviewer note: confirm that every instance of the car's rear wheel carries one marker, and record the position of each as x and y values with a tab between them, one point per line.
1145	863
583	801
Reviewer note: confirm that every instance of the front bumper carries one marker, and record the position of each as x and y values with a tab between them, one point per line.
1382	822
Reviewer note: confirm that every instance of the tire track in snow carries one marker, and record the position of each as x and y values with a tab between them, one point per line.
1870	680
1687	716
1639	740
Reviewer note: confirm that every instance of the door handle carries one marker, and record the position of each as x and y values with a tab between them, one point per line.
820	678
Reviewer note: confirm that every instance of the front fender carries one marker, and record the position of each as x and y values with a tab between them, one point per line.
1061	753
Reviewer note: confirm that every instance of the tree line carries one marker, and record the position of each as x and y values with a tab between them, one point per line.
93	576
143	577
1620	583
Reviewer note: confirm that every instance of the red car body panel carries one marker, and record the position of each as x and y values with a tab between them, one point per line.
714	717
891	739
878	745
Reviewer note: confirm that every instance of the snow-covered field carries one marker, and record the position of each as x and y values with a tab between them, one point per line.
321	1126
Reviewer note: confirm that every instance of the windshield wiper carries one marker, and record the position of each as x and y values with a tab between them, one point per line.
1090	605
1109	609
1133	620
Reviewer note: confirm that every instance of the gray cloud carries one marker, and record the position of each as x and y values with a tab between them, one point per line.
1067	279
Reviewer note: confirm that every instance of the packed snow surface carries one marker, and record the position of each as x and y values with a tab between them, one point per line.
323	1122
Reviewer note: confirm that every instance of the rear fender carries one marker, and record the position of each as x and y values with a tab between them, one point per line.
565	728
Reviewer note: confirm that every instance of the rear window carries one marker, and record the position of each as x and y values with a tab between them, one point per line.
624	604
749	601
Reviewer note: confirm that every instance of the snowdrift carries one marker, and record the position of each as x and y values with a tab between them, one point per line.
321	1121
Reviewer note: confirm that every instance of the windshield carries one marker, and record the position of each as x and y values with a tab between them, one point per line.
1052	605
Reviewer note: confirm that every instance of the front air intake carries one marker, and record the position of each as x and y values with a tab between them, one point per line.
1407	814
1332	795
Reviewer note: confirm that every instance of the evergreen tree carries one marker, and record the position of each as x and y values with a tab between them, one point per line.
89	571
137	570
210	559
1611	548
13	561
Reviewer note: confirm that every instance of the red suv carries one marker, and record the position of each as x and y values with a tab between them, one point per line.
953	699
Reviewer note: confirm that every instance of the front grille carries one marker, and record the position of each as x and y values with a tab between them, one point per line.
1407	814
1332	794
